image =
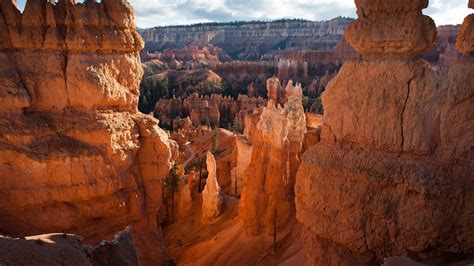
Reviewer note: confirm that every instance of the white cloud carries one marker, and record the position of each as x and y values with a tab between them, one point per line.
448	11
163	12
172	12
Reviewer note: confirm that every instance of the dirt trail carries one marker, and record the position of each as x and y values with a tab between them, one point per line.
193	154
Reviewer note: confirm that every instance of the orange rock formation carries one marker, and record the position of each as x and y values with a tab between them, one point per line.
275	91
267	192
392	175
75	155
212	199
214	110
391	28
465	41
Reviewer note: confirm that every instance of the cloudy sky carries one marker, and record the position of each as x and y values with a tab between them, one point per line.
177	12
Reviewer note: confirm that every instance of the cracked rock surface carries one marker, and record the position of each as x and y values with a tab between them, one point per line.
392	175
75	154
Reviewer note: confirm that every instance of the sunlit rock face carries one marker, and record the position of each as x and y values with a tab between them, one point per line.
267	192
465	41
292	90
75	155
392	173
212	198
391	28
242	156
275	91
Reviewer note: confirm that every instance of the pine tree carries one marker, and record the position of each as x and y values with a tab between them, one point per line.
215	142
172	185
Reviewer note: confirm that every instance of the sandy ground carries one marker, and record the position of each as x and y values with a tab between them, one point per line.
225	242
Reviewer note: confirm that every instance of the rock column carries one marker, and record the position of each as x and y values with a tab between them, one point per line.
270	177
212	198
385	179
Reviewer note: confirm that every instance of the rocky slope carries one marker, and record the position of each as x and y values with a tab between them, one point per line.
392	175
64	249
250	40
75	154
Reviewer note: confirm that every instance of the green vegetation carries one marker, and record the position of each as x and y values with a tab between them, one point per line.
207	122
151	90
212	88
153	69
317	106
172	186
312	105
201	174
215	141
236	23
237	127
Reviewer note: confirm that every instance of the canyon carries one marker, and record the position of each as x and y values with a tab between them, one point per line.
192	65
208	145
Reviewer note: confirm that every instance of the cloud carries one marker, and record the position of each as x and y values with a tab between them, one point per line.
448	11
163	12
181	12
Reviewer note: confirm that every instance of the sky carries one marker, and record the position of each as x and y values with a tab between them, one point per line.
152	13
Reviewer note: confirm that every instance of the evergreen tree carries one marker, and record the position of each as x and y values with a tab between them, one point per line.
215	142
172	185
237	127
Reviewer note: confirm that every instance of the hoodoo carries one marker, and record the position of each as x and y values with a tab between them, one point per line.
267	193
75	154
361	153
212	199
392	175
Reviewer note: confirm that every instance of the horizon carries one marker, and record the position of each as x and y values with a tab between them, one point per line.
167	13
246	22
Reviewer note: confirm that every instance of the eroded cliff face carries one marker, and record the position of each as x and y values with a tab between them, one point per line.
75	155
392	175
267	191
214	110
249	41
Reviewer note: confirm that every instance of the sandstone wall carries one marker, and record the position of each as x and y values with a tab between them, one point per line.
242	155
75	154
392	175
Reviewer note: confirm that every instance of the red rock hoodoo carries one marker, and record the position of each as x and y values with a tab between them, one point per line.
392	175
75	154
214	110
270	176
